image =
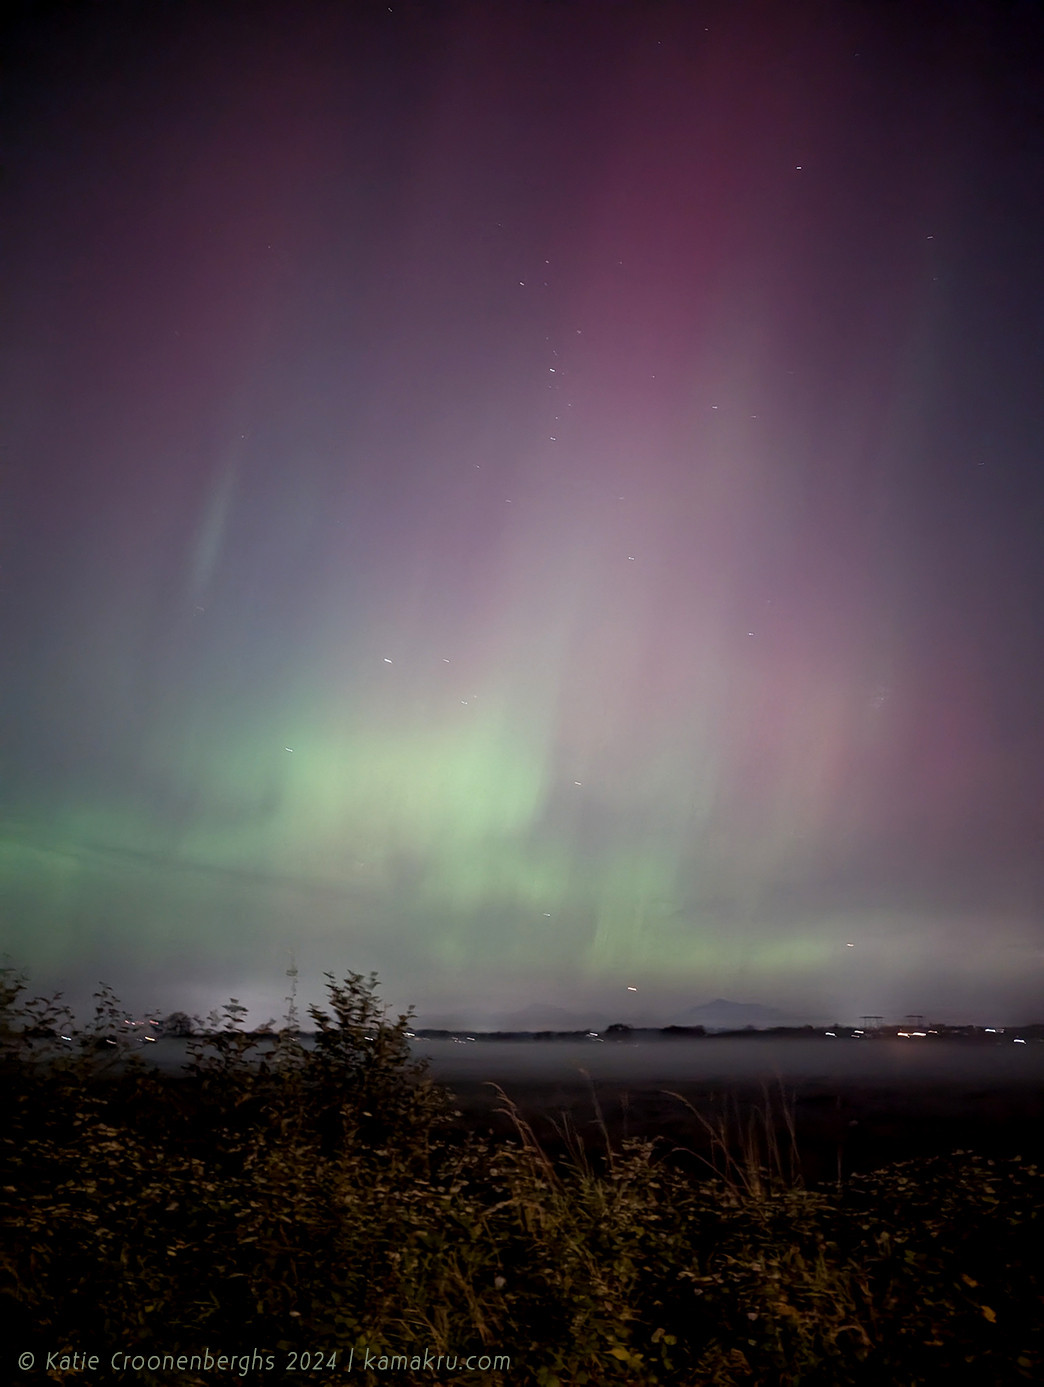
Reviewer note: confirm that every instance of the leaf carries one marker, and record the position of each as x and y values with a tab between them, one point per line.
991	1315
625	1355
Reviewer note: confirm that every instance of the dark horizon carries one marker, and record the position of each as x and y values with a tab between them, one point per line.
719	1017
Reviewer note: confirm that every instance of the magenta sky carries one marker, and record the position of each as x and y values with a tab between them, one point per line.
532	499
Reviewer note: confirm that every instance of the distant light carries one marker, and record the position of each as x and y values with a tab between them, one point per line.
386	660
849	946
1018	1040
990	1030
632	989
832	1035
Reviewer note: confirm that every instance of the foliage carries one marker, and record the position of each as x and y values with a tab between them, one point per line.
321	1198
178	1024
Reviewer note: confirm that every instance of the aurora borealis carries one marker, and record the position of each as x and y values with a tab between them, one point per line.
530	499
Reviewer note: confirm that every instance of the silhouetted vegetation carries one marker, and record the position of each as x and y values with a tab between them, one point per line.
323	1199
618	1031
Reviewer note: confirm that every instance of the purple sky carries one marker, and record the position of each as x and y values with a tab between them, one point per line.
532	499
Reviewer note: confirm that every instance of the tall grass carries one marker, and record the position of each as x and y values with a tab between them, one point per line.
328	1200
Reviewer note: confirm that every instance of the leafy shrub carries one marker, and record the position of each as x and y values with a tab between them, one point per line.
321	1198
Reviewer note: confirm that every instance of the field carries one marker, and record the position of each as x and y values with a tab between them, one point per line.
839	1128
334	1211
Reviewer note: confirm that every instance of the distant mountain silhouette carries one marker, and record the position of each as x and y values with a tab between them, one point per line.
537	1017
540	1017
723	1014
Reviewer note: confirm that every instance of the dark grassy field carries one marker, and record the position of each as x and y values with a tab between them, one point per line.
334	1211
844	1128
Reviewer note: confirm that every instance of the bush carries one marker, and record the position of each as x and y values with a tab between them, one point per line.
320	1199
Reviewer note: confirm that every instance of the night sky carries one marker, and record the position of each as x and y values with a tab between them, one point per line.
535	499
